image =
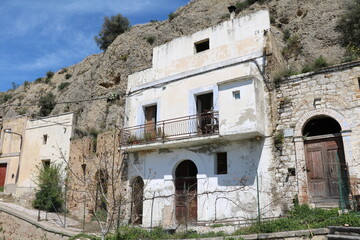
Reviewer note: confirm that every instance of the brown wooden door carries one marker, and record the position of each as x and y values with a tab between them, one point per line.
186	200
186	192
323	168
150	122
2	174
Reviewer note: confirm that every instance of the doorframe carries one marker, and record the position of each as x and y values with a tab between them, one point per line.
302	181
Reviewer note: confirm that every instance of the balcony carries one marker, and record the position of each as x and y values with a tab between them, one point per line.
193	126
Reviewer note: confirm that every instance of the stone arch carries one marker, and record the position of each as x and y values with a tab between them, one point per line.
178	158
302	148
320	112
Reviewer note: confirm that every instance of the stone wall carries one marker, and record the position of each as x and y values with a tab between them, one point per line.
332	92
95	154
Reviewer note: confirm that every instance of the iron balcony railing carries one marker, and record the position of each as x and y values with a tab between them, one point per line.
177	128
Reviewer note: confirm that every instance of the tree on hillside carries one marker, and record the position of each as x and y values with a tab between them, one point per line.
349	25
111	28
46	104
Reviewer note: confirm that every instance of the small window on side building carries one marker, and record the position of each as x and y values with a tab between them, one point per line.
202	45
236	94
359	83
46	163
221	163
45	138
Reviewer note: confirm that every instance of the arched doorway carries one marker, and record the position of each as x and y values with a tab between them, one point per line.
186	192
137	200
325	162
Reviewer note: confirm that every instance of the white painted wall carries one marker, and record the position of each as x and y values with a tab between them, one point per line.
58	128
221	197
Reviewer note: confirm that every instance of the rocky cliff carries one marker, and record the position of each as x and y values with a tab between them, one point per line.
309	23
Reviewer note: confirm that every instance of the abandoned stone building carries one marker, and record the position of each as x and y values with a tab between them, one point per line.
209	138
319	128
197	126
26	144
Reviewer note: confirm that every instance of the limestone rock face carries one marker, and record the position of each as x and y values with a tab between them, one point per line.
99	76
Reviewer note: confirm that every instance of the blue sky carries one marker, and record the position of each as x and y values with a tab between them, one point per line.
42	35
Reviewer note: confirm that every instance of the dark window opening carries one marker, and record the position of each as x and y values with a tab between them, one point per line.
45	138
204	108
202	45
321	126
204	103
150	122
221	163
359	83
46	163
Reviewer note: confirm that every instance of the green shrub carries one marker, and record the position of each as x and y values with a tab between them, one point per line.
348	25
292	47
352	53
225	16
318	63
287	35
150	39
49	74
172	15
284	73
47	104
26	84
49	196
124	57
303	217
6	97
38	80
112	27
63	85
68	75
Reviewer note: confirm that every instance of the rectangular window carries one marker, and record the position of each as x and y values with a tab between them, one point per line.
221	163
45	138
46	163
202	45
236	94
359	83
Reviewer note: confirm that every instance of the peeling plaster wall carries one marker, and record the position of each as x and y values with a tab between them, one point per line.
58	129
233	63
221	197
335	93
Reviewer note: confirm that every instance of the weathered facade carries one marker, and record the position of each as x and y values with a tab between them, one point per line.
197	126
11	141
318	135
94	173
27	144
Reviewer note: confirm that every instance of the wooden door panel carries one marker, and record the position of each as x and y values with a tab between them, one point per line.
315	167
323	167
2	174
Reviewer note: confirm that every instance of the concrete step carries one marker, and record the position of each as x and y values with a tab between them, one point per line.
342	237
344	230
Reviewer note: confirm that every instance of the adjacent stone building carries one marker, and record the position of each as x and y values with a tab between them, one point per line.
318	136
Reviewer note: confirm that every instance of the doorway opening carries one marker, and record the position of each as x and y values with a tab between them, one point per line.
204	109
186	192
325	162
137	201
